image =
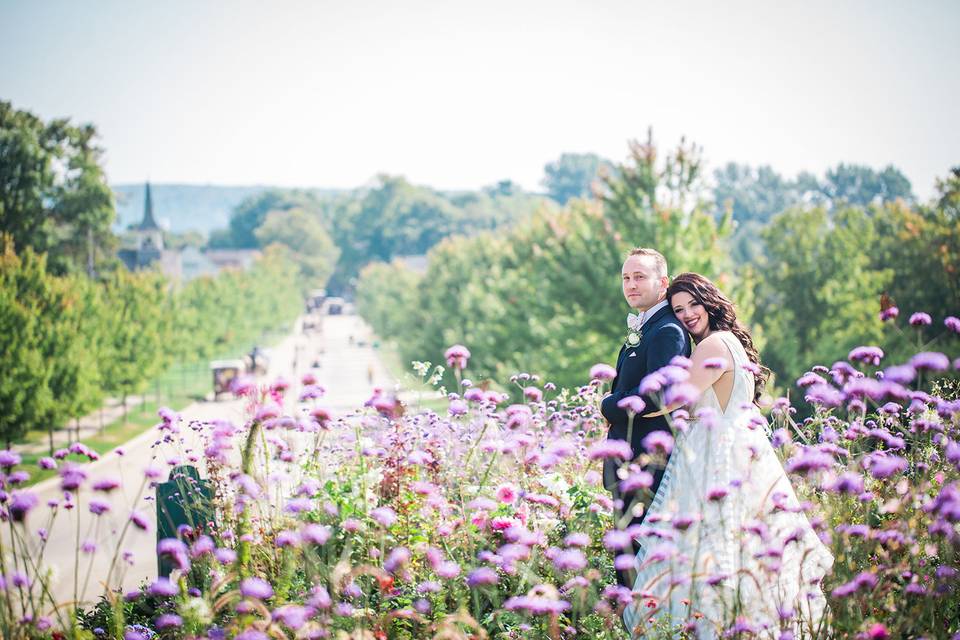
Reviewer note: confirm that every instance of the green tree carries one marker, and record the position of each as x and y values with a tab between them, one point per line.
572	175
250	214
24	391
854	184
393	218
818	296
306	240
138	328
53	194
545	296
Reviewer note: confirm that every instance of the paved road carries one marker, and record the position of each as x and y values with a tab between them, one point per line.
348	368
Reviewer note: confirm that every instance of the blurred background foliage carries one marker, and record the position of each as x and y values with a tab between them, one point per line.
529	281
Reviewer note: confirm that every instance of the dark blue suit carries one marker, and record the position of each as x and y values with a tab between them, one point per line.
663	338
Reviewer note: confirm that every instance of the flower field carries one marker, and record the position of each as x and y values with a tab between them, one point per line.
489	520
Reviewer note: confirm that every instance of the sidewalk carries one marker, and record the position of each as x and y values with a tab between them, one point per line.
90	425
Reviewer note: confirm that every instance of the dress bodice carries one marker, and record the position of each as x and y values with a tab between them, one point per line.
741	394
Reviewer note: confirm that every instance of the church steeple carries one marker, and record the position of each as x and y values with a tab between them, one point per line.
148	223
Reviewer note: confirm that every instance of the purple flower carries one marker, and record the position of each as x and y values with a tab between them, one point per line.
99	507
900	374
809	461
867	355
658	441
384	516
9	458
106	484
716	363
931	361
253	634
315	533
602	372
781	437
570	560
717	494
809	379
881	465
577	539
162	587
638	480
624	562
889	314
862	581
847	483
396	559
920	319
610	449
533	394
952	323
652	383
632	404
287	538
458	407
256	588
203	545
168	620
681	394
47	463
481	577
71	477
292	615
457	356
952	452
225	555
617	539
176	551
21	502
824	395
139	521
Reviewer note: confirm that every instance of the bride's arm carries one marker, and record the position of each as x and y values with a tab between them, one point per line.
711	350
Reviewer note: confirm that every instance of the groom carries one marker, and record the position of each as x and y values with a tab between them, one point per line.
653	337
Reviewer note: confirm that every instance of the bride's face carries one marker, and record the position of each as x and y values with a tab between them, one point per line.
691	313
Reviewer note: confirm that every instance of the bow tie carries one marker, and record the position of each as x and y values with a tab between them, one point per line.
634	321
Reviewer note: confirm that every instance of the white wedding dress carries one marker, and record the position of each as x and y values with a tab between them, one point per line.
748	556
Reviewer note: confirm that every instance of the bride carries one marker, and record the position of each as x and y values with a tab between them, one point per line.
725	541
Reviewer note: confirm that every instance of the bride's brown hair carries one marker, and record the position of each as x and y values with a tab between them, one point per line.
722	316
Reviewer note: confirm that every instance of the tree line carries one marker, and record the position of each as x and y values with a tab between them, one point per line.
544	297
75	325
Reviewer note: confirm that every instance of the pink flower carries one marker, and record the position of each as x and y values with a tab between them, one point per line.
920	319
716	363
952	323
457	356
658	441
632	404
610	449
878	631
506	493
889	314
533	394
602	372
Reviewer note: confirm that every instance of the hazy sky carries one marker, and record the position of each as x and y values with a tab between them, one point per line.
460	95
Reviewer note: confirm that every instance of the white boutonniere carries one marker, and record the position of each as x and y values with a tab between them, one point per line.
634	335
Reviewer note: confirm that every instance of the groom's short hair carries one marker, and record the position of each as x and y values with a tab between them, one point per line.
658	260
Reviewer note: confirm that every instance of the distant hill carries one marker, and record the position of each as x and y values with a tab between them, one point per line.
181	207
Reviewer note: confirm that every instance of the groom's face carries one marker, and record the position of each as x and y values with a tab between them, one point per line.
643	287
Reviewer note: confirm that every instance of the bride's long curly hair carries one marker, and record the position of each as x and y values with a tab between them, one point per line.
722	316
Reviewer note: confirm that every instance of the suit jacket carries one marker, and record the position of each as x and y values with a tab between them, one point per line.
663	337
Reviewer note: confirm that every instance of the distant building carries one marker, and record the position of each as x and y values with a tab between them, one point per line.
142	248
